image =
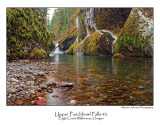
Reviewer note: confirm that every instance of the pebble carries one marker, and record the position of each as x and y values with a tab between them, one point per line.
40	102
50	90
27	96
141	87
55	96
19	102
66	84
73	102
39	94
11	91
14	80
33	102
53	84
43	86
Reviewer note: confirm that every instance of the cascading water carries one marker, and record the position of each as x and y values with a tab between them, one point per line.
57	50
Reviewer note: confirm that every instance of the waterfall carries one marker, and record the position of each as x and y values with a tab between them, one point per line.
57	49
114	36
89	20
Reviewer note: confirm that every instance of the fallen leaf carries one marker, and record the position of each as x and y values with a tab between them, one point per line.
96	99
82	78
89	93
137	92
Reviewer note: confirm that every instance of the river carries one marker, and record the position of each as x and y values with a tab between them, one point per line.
103	80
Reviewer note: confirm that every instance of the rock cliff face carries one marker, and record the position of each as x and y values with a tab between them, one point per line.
26	30
96	30
136	36
108	31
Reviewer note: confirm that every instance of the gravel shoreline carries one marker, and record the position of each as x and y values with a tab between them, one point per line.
26	82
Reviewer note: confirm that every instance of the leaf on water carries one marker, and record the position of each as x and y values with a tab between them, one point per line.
140	80
149	81
137	92
91	74
81	87
96	99
131	74
109	84
89	93
82	97
60	82
109	91
82	78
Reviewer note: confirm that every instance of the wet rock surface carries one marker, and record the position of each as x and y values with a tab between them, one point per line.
28	84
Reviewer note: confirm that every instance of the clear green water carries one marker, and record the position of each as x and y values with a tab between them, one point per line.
103	80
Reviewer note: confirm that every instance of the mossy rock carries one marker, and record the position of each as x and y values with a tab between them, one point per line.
118	55
38	53
96	44
136	36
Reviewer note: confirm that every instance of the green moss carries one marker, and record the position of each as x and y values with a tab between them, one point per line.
131	40
88	46
38	53
118	55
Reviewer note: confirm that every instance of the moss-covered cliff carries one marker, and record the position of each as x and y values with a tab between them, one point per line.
105	31
99	43
136	37
93	35
26	29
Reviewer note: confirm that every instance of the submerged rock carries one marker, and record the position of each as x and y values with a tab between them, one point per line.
44	86
11	91
118	55
66	84
40	102
73	102
49	89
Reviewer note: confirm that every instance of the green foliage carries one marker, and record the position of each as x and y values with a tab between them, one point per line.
26	28
62	21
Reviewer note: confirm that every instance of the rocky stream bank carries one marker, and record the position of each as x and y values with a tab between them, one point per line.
31	83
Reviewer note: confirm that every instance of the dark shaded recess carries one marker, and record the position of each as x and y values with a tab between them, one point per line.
106	41
52	46
67	43
111	18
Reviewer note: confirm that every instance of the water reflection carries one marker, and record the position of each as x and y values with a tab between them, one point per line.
113	81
